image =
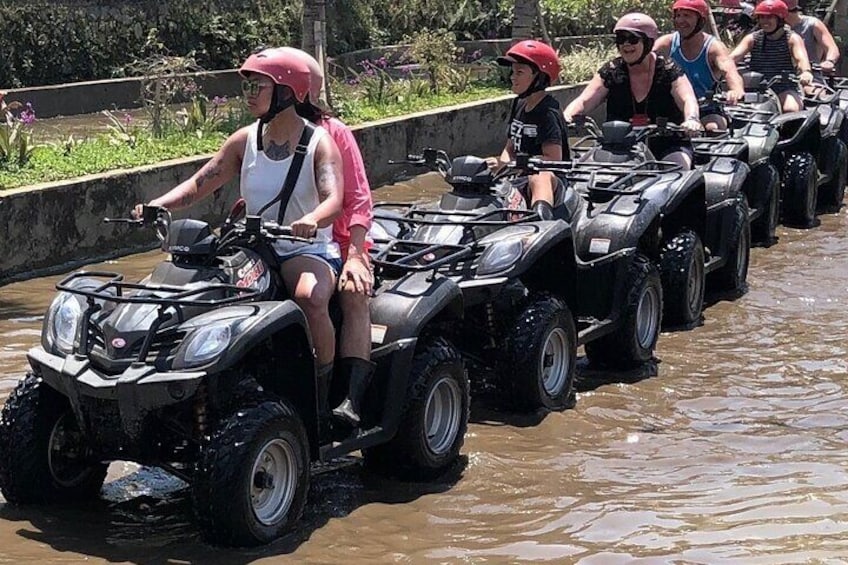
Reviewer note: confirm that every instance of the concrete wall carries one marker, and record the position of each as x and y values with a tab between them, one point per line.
57	226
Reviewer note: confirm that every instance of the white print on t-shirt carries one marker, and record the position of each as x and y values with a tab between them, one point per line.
519	130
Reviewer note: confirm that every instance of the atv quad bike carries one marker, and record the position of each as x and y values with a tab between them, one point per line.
833	150
527	299
206	369
633	200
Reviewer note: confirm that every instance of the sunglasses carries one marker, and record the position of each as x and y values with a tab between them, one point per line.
629	38
251	87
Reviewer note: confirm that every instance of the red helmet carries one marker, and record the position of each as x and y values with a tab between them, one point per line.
698	6
772	8
541	55
316	73
283	68
637	22
730	4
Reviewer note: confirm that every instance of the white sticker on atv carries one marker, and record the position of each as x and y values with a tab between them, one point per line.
378	333
598	245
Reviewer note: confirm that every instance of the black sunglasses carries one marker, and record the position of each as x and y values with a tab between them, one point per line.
626	37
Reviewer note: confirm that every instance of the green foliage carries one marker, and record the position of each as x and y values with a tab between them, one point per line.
579	64
591	17
436	52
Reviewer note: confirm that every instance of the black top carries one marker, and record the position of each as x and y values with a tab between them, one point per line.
621	105
528	130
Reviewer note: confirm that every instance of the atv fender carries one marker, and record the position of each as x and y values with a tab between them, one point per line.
406	307
723	178
797	128
761	139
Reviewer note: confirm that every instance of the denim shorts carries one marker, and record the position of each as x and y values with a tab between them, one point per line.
335	263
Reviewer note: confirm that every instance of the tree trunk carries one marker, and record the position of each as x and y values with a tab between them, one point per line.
524	19
314	42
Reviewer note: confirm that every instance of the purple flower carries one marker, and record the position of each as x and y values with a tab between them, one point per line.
28	116
219	101
127	119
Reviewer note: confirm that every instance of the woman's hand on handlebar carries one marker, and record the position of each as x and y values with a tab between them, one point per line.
692	126
305	227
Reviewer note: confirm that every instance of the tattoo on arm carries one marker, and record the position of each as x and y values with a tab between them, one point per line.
212	170
278	152
326	181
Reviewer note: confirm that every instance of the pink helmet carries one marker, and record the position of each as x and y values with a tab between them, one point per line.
279	65
637	22
316	73
731	4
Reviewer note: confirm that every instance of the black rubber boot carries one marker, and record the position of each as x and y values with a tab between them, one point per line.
359	372
543	209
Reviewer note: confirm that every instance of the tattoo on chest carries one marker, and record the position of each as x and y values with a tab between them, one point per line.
277	152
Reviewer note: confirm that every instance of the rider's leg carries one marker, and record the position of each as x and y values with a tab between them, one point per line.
790	101
714	122
354	350
542	186
311	282
682	158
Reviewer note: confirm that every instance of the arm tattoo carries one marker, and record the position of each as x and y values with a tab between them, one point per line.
326	181
277	152
212	170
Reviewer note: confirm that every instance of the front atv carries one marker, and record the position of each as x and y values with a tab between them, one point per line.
206	370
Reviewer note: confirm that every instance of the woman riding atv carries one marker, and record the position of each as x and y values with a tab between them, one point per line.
536	127
262	155
776	51
350	231
640	86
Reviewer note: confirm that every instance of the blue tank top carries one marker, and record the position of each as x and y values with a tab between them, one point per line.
697	70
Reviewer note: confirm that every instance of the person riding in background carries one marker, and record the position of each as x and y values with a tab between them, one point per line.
775	50
703	58
535	126
262	154
640	86
350	231
818	41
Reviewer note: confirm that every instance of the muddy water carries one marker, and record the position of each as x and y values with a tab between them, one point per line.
733	453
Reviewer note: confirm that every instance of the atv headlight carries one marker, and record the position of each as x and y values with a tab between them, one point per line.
500	256
207	343
63	321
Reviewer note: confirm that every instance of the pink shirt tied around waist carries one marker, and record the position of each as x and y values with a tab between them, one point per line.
357	208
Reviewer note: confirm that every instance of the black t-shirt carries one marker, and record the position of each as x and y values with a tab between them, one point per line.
621	105
528	130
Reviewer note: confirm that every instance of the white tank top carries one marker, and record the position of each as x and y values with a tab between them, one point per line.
261	181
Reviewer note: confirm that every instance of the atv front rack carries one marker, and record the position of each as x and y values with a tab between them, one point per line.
419	256
115	289
474	219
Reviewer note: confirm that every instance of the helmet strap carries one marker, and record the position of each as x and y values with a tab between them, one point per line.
780	24
648	44
539	83
699	27
278	104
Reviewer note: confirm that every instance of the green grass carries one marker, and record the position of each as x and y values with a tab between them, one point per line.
55	161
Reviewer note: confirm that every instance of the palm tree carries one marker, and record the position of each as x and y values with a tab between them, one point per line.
314	42
524	17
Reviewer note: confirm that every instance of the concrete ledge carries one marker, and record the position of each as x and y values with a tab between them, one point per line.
58	226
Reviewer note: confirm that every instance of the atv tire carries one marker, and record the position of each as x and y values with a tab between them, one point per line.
682	274
633	342
541	350
832	193
732	276
764	228
252	479
44	456
434	421
799	190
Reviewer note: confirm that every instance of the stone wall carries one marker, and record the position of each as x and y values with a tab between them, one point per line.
58	226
